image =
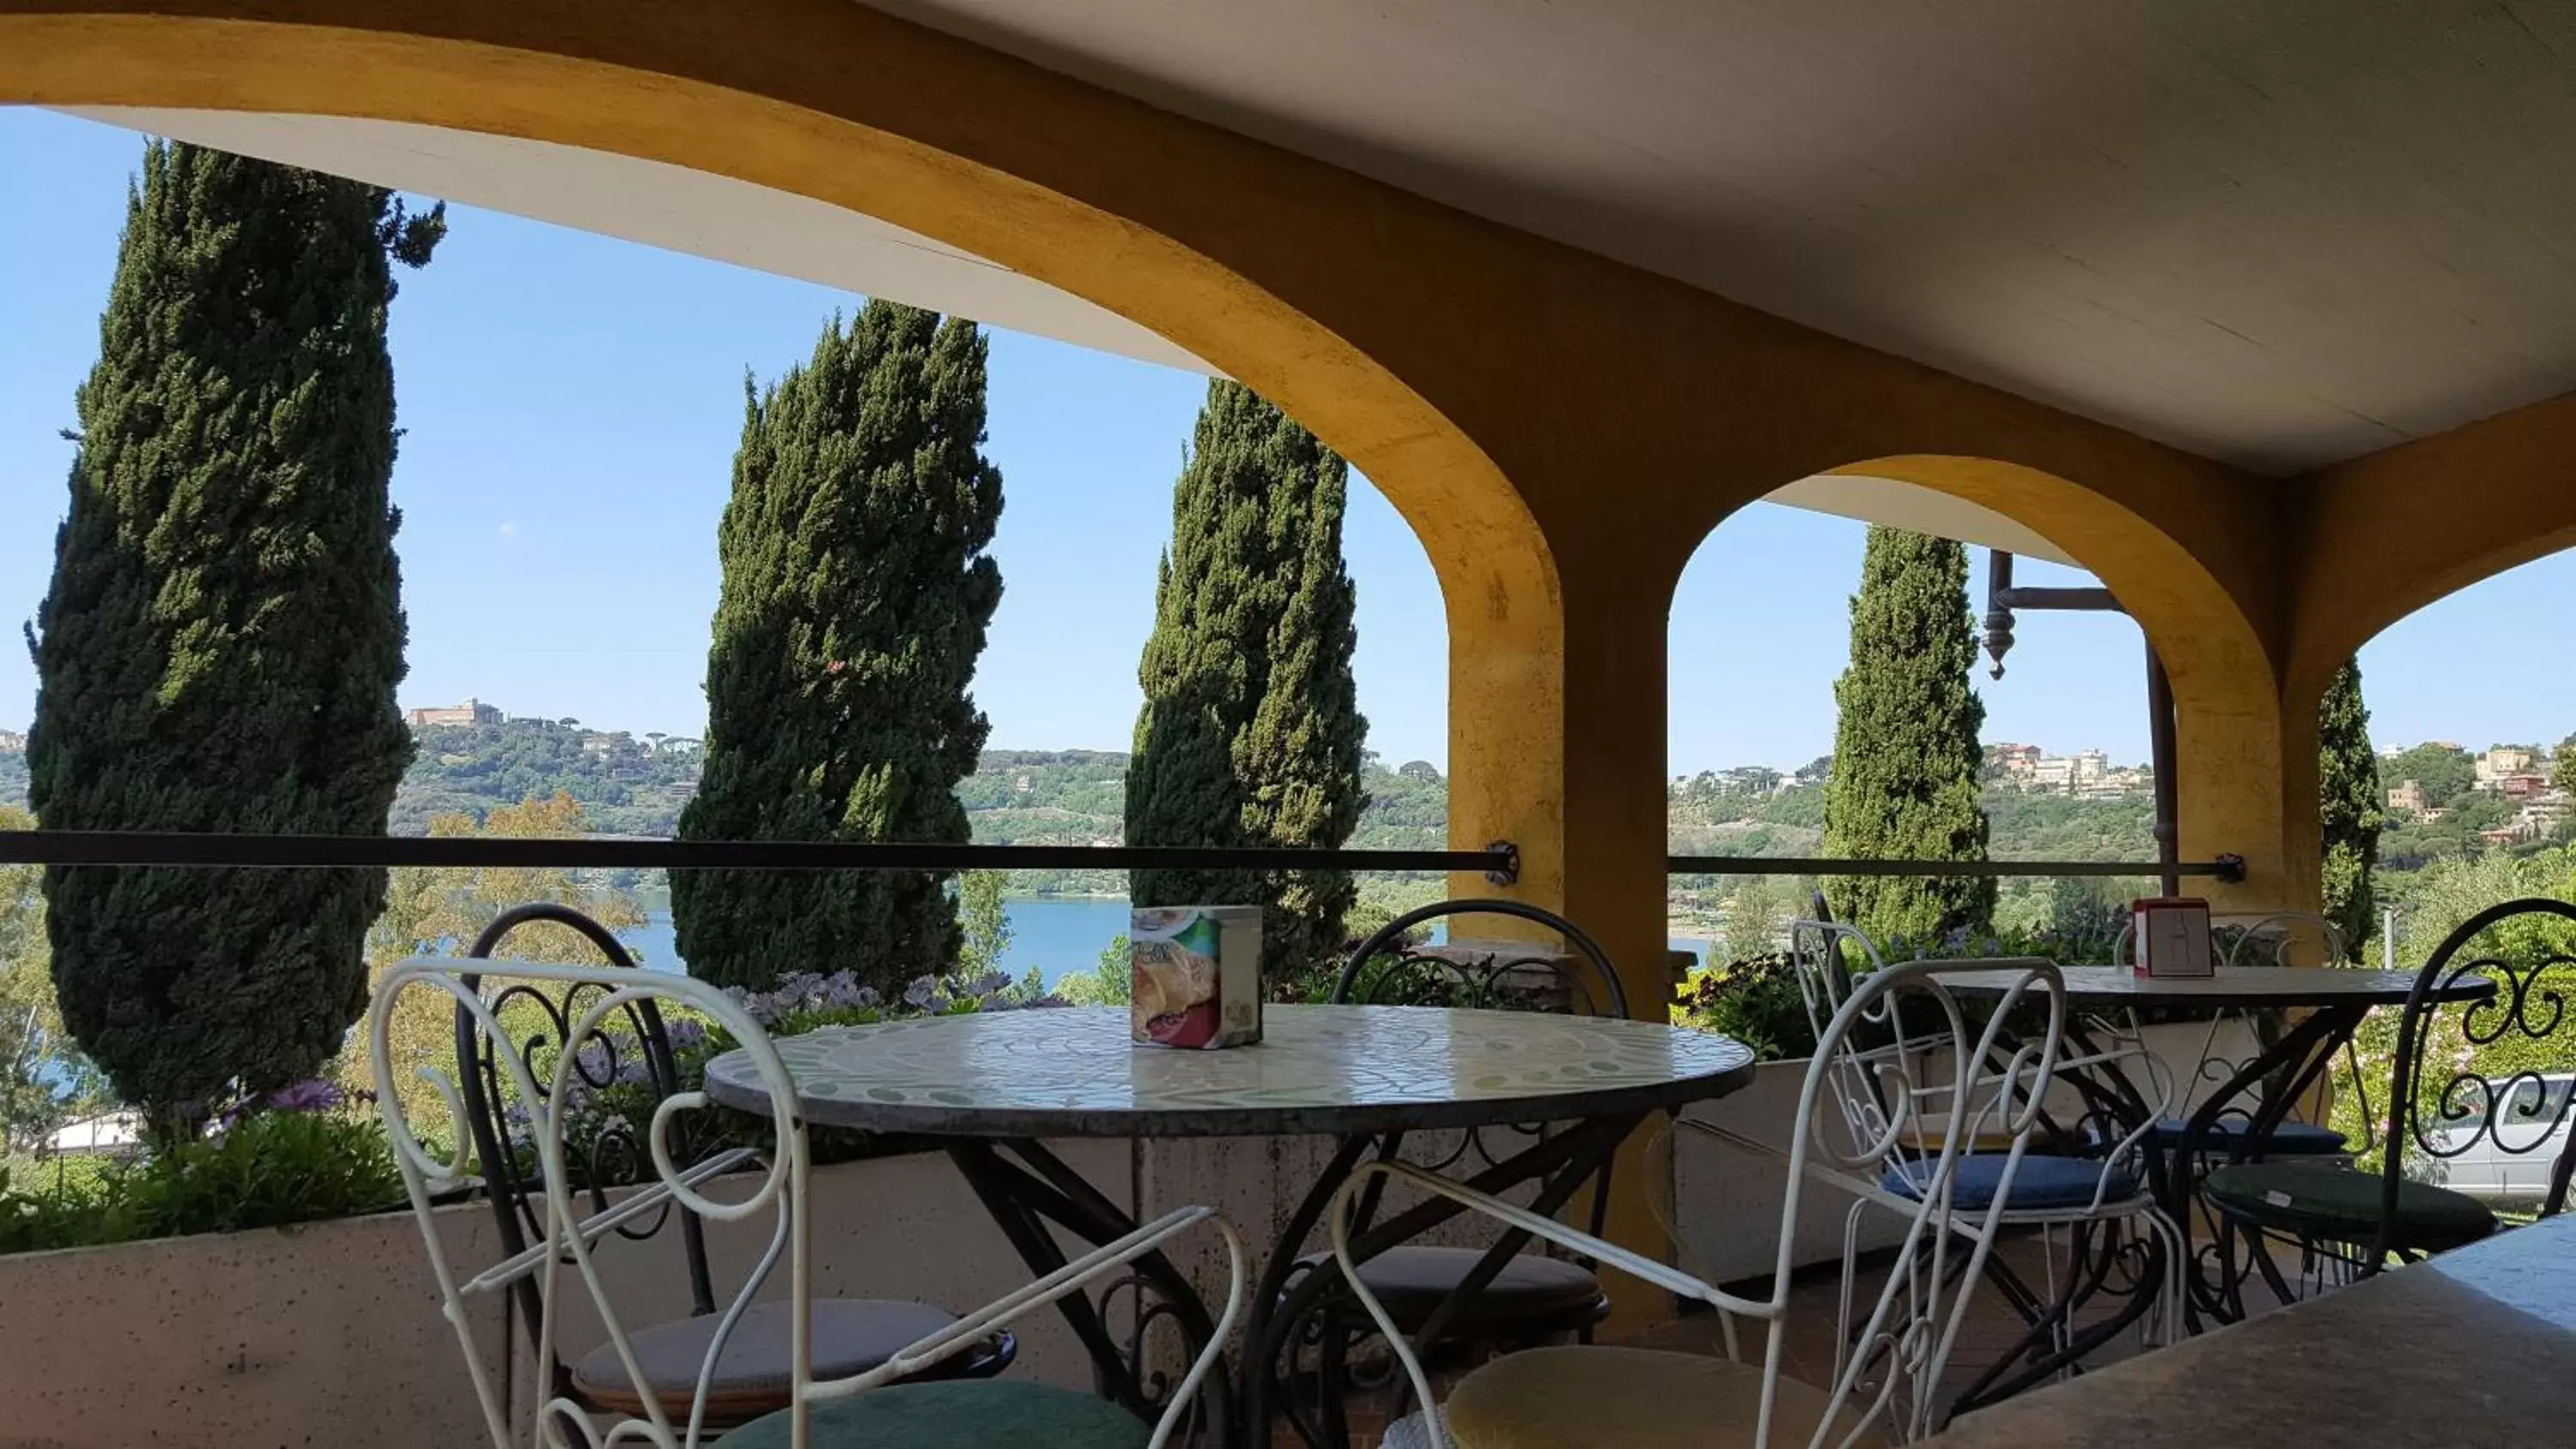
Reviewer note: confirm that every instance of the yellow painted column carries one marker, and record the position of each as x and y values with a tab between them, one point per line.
1557	744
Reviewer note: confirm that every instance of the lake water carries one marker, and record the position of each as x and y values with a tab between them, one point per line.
1056	935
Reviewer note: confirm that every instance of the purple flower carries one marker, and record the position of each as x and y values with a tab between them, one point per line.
922	992
688	1034
308	1096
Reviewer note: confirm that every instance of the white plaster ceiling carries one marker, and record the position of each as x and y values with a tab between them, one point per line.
2278	232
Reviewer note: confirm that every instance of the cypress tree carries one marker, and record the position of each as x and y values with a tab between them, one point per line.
224	632
855	599
2350	807
1251	733
1906	758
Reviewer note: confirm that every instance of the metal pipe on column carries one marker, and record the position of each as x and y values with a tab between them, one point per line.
2002	598
2160	736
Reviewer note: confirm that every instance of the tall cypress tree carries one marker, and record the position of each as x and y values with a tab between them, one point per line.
221	642
1906	757
1251	732
856	595
2350	806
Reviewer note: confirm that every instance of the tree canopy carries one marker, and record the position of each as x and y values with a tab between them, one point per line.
856	595
1906	761
1251	733
2349	802
220	644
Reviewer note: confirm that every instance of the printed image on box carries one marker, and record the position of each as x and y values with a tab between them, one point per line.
1196	975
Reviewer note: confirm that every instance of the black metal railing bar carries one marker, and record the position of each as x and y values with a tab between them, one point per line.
2228	868
199	849
1500	861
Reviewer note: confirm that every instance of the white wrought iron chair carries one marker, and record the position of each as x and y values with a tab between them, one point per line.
1903	1032
2087	1185
870	1409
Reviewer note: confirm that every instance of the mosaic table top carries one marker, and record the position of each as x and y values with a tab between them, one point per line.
2233	986
1321	1069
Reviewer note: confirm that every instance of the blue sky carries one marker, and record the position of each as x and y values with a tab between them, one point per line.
571	405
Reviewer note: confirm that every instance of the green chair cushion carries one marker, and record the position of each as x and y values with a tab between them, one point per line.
2342	1205
958	1414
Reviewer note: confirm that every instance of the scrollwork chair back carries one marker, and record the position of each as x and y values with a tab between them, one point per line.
743	1187
1904	1029
578	1014
611	1153
2490	1072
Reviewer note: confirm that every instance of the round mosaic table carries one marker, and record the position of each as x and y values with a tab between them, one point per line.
991	1086
1318	1069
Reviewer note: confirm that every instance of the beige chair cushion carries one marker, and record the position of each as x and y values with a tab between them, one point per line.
851	1336
1633	1398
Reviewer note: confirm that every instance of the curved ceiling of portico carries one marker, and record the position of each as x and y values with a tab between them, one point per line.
665	206
794	236
2279	234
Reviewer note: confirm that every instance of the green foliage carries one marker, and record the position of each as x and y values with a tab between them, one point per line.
1111	983
2026	825
2446	772
268	1170
13	778
984	928
1906	757
220	644
2349	799
856	594
440	910
1754	999
1251	733
45	1082
626	788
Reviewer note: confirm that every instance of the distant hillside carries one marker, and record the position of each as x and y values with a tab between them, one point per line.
626	786
1077	797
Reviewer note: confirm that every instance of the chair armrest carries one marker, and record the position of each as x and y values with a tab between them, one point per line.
1537	1225
599	1224
1073	1277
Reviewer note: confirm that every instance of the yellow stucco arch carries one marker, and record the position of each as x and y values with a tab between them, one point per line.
769	98
2230	740
2385	535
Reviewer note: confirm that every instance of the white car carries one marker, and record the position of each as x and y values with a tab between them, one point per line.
2510	1159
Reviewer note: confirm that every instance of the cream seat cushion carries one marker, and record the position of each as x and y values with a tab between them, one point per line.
1631	1398
850	1336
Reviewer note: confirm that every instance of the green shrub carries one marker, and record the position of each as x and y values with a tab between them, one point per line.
1754	999
266	1170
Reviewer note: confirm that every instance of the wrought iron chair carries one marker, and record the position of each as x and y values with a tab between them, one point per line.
2087	1186
1536	1297
2254	938
2443	1104
898	1403
851	1335
1897	1041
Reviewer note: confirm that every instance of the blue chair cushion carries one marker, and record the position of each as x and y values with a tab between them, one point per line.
2290	1139
2042	1184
